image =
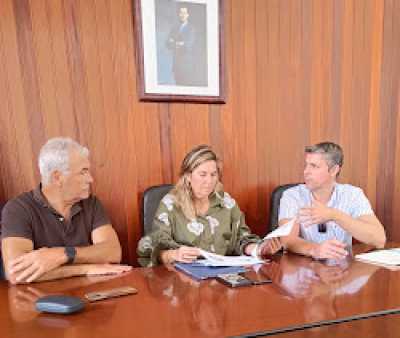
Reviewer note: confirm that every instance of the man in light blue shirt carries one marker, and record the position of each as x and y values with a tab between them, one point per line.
328	214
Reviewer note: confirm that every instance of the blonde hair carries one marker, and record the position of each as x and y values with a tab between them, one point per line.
182	191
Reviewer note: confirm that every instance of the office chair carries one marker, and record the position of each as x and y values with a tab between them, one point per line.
151	199
275	202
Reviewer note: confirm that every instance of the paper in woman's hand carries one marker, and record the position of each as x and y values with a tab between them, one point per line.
282	230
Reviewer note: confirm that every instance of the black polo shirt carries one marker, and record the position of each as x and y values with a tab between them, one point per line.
31	216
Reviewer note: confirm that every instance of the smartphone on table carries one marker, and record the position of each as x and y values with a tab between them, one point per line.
256	278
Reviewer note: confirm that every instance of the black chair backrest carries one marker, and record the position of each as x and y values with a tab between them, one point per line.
2	276
151	199
275	202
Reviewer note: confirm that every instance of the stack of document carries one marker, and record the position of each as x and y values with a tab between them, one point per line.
212	259
389	257
200	272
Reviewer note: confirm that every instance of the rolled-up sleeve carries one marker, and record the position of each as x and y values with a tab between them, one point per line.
241	232
16	221
360	204
159	239
100	216
288	206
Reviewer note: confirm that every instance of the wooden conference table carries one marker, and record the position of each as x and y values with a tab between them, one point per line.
170	304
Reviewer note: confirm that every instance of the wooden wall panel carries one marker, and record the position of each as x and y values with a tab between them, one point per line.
390	104
298	72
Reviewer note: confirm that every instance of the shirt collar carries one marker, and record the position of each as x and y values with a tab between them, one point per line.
42	200
333	196
39	197
331	199
217	199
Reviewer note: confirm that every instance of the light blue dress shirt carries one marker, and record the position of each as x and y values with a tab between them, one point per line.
345	197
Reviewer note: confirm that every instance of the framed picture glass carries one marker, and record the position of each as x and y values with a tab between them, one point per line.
180	50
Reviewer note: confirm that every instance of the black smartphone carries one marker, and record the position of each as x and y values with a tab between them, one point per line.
256	278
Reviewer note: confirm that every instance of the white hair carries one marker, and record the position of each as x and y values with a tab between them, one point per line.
54	155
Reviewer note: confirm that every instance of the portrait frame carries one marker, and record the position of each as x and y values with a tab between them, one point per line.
180	50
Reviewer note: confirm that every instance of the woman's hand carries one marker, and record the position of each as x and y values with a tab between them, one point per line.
184	254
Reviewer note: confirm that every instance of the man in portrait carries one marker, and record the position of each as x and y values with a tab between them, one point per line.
181	41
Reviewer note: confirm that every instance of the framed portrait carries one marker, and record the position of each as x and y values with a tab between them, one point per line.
180	50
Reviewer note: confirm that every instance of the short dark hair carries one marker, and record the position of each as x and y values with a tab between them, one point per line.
332	151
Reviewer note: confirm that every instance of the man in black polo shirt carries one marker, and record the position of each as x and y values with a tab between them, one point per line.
59	230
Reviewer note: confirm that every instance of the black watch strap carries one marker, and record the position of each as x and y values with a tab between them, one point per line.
70	252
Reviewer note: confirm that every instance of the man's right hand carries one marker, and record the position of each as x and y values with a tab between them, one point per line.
330	249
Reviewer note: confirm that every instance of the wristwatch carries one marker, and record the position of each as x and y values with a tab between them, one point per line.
70	252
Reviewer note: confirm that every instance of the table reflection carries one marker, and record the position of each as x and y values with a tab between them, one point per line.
22	298
203	304
318	283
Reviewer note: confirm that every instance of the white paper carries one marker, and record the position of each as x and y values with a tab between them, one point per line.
387	257
282	230
212	259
